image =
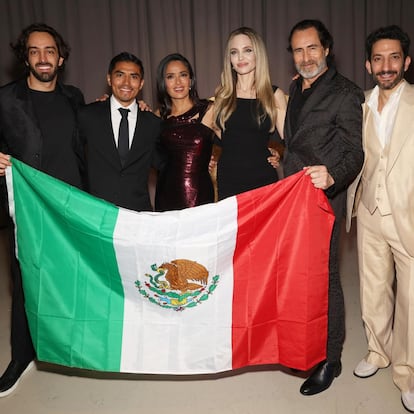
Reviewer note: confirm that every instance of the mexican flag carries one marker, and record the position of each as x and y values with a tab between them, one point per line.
207	289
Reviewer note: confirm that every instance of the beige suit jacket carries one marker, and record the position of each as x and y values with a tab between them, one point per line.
400	170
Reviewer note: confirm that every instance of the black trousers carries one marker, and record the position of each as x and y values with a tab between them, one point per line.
336	306
22	349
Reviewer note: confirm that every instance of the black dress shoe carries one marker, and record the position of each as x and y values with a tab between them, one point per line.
11	377
321	378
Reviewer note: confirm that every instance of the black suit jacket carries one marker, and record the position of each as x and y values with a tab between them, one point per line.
329	132
126	186
21	137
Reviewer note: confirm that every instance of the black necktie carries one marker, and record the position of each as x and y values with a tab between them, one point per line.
123	137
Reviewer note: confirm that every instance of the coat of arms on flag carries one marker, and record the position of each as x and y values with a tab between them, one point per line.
178	284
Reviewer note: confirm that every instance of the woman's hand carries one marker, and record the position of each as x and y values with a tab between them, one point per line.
274	159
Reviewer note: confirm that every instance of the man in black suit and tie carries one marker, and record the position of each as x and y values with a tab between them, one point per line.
38	127
120	139
323	134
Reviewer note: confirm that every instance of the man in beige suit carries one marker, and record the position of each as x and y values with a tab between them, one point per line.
382	197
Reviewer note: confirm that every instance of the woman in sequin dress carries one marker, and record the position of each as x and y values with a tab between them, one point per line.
185	138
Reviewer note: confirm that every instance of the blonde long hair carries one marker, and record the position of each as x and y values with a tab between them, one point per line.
226	95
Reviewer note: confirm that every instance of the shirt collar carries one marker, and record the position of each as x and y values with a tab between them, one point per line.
313	84
115	105
373	99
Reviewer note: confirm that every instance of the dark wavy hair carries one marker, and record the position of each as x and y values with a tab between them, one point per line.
164	100
393	32
20	46
325	37
125	57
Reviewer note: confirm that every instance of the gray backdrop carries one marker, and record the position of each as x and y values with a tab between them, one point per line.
98	29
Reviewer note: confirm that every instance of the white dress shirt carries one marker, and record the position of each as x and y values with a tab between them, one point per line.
384	121
116	118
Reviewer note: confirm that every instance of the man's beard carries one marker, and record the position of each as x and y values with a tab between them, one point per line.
43	76
320	67
387	85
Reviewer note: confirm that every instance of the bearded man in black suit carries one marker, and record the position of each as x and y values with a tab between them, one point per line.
323	135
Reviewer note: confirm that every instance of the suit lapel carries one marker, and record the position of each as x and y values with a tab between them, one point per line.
366	117
138	145
287	130
316	96
404	124
135	139
25	103
106	133
321	90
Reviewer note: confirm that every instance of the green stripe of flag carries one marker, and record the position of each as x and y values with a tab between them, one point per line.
86	329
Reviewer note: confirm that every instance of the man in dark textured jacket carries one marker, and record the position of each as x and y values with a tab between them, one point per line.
323	135
38	127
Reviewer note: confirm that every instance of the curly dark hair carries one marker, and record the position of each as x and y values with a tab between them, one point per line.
392	32
20	46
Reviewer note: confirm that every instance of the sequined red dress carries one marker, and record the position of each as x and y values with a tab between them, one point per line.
187	143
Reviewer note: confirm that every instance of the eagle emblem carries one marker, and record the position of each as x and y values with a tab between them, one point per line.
178	284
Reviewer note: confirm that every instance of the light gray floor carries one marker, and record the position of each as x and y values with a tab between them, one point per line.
58	390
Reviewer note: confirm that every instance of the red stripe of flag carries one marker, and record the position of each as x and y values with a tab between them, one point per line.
281	275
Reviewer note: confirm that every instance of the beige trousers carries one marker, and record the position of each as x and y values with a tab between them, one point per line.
386	273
